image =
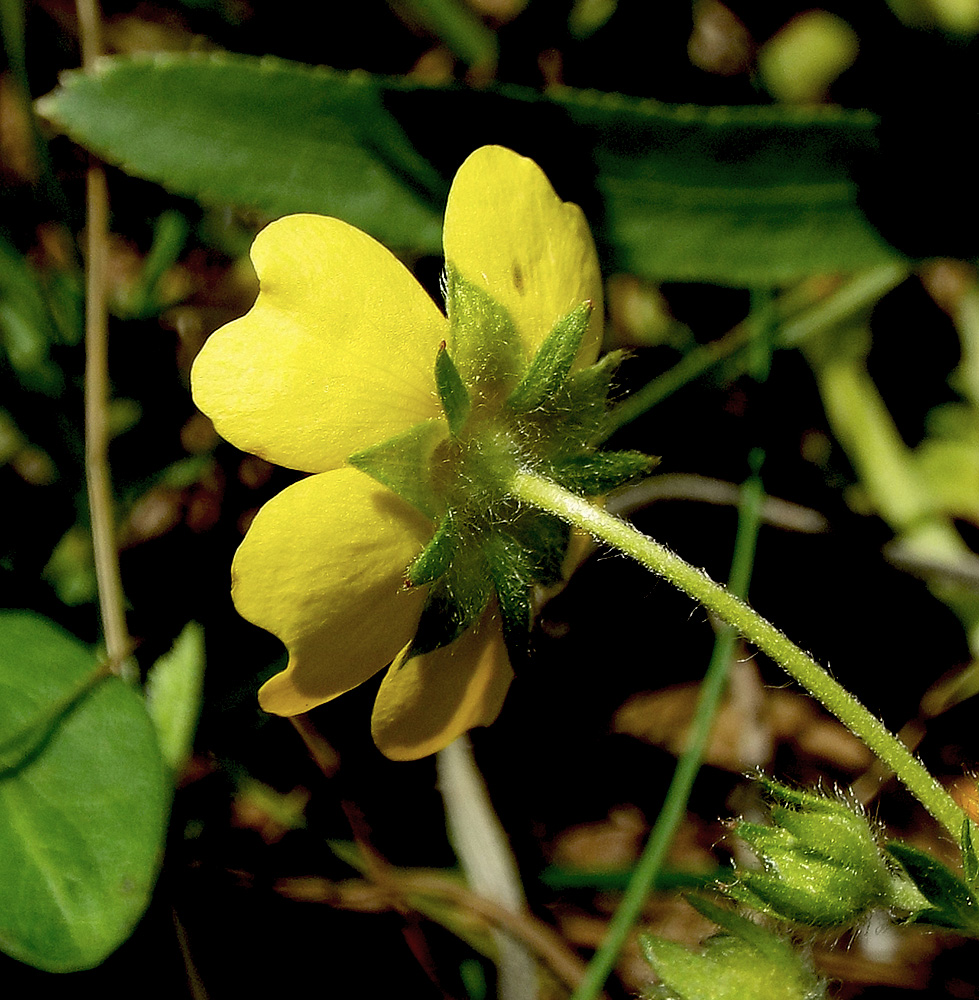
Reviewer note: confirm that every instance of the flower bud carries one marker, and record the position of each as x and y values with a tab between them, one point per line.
744	960
821	865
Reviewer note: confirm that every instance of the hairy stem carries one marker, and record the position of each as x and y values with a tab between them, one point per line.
545	495
675	803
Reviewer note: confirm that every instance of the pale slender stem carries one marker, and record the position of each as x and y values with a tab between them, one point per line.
487	861
545	495
117	642
89	31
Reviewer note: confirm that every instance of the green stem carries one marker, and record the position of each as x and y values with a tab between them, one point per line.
545	495
675	803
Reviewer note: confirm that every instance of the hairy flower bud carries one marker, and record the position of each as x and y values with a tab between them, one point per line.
821	864
744	960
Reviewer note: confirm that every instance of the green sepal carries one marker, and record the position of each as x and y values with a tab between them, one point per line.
455	602
512	571
552	363
587	392
787	795
952	903
822	865
573	418
544	538
484	342
452	391
970	863
763	840
402	464
435	559
828	898
598	473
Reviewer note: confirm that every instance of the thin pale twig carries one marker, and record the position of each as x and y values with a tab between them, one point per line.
97	474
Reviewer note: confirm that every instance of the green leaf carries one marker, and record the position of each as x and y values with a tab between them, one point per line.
83	811
266	134
753	195
173	695
27	327
953	904
144	298
733	195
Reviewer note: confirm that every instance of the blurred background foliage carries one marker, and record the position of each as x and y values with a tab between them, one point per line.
751	171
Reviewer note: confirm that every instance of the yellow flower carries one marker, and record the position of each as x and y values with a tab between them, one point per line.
337	361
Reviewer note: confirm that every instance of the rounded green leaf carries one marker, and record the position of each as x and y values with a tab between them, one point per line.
83	800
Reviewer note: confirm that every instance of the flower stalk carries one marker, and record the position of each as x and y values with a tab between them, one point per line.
544	495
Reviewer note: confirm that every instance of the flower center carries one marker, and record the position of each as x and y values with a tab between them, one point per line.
501	415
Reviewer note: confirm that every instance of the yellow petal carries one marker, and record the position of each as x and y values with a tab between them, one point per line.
425	703
322	567
509	233
337	353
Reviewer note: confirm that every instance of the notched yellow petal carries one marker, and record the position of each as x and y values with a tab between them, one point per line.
426	702
335	355
509	233
322	567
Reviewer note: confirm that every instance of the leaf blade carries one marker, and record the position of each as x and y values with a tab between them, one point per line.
737	196
82	818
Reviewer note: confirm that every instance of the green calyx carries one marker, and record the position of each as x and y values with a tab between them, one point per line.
821	864
502	413
743	960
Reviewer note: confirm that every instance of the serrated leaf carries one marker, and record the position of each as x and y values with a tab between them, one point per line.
262	133
735	195
174	686
753	195
82	816
953	902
